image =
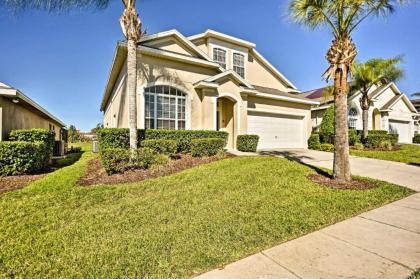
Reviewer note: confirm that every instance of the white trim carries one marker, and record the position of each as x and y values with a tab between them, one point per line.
283	98
273	69
218	35
320	107
177	57
214	101
226	73
206	84
182	38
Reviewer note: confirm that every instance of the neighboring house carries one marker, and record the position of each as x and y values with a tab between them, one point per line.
18	111
208	81
390	110
416	104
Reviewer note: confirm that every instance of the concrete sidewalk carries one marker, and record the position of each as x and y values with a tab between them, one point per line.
382	243
393	172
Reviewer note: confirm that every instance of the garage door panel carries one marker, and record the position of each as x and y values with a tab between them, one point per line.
402	129
276	131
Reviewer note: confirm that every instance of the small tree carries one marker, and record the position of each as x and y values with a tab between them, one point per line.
326	130
73	134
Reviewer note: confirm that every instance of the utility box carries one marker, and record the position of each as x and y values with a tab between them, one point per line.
95	146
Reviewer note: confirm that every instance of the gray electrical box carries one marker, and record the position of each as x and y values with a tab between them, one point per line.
95	146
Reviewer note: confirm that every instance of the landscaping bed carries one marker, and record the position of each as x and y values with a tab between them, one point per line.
11	183
355	184
96	174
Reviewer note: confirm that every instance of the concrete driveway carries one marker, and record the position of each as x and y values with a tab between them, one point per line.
393	172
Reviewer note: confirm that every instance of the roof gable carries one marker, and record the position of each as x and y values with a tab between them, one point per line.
232	75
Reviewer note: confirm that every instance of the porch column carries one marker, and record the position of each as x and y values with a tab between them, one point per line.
209	109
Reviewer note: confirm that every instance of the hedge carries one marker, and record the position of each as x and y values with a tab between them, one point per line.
167	147
416	138
36	135
374	139
326	129
119	137
314	142
117	160
247	143
326	147
206	147
18	157
354	137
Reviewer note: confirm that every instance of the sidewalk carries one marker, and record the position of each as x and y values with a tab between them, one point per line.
382	243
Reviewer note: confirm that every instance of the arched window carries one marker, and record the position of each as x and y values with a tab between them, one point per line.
219	56
352	118
164	108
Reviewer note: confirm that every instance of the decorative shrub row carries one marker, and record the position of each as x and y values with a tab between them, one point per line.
18	157
117	160
119	137
354	137
374	140
416	138
207	147
326	147
36	135
247	143
167	147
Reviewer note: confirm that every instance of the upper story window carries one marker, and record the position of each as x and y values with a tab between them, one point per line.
239	64
219	56
164	108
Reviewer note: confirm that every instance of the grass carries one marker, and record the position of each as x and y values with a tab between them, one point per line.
169	227
409	153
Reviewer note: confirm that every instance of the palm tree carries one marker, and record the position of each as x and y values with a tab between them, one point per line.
342	17
417	94
131	27
377	72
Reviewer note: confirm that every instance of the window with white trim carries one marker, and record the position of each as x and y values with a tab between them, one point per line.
352	118
164	108
239	64
219	56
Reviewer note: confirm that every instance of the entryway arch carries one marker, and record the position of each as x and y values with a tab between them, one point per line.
376	119
227	117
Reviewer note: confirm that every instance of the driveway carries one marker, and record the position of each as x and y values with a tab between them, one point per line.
393	172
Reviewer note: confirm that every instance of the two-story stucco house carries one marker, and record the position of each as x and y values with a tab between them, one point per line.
208	81
390	110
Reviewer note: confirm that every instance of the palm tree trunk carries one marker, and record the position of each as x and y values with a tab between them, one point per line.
365	120
341	169
132	95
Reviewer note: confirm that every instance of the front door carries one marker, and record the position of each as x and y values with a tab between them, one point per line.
225	119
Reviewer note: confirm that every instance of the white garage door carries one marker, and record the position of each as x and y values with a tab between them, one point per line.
402	129
276	131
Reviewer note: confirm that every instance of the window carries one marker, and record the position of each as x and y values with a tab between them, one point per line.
239	64
164	108
219	56
352	118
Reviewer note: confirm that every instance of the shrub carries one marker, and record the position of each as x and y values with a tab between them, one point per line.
326	147
167	147
206	147
416	138
374	139
36	135
247	143
20	157
117	160
74	149
119	138
359	146
386	144
354	137
314	142
326	130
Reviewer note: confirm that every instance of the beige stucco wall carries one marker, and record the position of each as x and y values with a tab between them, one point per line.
172	44
16	116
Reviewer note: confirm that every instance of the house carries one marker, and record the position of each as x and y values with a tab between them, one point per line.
416	104
209	81
18	111
390	110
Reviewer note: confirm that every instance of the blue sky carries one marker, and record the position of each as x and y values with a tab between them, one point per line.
63	61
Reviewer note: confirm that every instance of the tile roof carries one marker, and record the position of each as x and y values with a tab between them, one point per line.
277	92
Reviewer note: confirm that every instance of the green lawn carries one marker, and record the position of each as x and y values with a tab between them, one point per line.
169	227
409	153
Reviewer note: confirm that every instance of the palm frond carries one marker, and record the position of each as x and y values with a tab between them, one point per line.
54	5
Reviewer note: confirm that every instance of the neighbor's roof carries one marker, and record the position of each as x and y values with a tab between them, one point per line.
13	93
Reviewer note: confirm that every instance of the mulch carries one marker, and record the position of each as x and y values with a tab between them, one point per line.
355	184
11	183
96	175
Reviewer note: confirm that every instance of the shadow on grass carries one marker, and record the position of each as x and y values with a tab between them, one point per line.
69	160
